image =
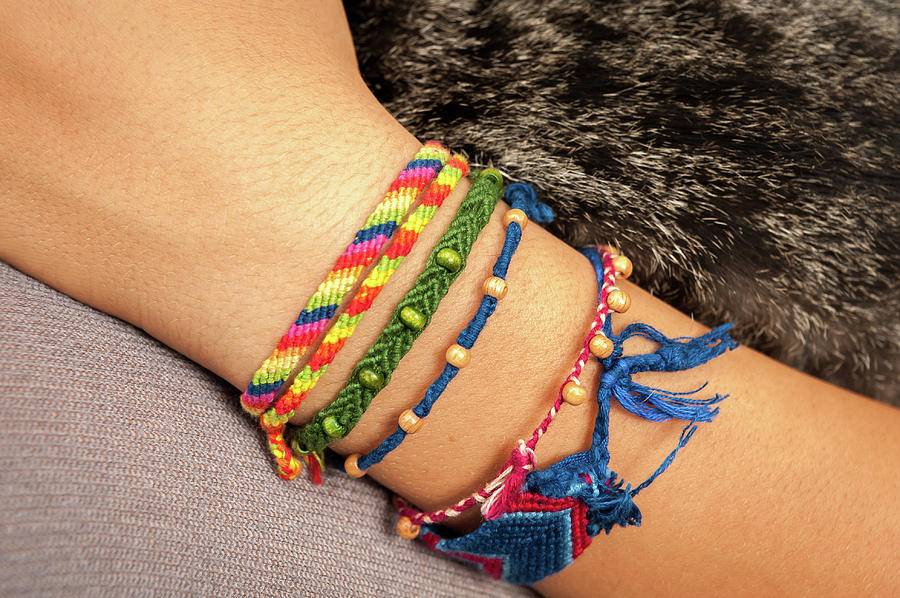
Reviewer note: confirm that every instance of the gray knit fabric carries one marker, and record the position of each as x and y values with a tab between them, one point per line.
109	486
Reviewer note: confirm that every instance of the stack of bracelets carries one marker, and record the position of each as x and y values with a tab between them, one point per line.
534	522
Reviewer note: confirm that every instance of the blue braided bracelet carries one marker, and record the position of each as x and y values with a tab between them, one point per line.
520	197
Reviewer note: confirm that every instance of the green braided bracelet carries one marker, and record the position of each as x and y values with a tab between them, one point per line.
411	316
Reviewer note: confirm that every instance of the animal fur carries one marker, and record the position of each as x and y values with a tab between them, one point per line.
743	153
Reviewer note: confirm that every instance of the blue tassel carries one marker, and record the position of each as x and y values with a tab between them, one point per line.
586	475
672	355
524	197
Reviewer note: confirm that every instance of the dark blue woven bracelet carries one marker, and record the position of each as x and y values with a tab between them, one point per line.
525	205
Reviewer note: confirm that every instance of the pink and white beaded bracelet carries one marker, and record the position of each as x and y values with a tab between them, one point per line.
496	494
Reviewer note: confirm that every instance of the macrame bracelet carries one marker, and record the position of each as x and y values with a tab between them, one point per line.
524	206
412	314
540	521
275	418
366	245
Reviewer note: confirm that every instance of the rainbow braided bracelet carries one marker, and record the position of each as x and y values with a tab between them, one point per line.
524	206
412	314
274	419
366	245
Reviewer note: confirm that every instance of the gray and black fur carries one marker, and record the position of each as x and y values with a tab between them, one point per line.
744	153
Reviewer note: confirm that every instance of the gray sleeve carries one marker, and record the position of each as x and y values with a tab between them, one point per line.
109	488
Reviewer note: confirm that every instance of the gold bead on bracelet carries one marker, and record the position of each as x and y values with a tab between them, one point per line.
618	300
574	393
410	422
600	346
351	466
515	215
622	266
458	356
495	287
407	529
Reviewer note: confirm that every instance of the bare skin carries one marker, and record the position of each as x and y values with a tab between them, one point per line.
195	172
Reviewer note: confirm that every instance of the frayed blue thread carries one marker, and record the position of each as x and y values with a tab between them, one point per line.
586	475
522	197
673	355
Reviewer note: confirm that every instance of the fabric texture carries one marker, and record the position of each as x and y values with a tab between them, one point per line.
98	500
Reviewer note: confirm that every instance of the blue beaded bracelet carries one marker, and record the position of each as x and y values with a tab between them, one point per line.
523	200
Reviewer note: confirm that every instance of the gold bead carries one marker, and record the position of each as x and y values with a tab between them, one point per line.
495	287
407	529
618	300
410	422
622	266
458	356
610	249
600	346
351	466
574	393
515	215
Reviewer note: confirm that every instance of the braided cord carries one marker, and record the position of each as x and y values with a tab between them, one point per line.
367	244
493	495
397	338
467	336
275	418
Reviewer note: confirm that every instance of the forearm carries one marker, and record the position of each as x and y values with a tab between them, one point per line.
208	218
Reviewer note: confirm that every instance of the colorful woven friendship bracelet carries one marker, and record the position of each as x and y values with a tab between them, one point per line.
412	314
541	526
366	245
524	206
275	418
